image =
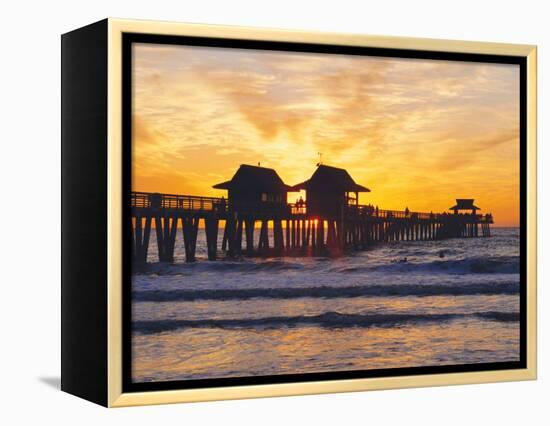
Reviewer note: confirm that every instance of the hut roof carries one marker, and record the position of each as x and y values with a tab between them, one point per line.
464	204
254	179
330	178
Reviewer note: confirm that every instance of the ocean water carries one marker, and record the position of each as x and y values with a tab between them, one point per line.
450	302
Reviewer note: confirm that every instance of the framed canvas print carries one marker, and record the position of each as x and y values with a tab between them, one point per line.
252	213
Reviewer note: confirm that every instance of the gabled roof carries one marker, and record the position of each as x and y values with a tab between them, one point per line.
330	178
464	204
254	179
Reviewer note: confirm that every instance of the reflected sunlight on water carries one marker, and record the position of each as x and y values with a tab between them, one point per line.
359	312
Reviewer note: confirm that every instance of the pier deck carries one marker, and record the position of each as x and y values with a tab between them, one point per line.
295	232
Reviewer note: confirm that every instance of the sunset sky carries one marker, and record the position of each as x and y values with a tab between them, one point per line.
418	133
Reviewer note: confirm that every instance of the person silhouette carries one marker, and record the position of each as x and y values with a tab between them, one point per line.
301	203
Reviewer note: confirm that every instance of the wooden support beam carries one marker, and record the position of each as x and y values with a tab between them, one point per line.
211	228
195	229
331	235
249	235
287	232
139	236
231	225
321	234
278	242
239	237
293	233
160	239
354	235
263	243
225	236
171	240
190	230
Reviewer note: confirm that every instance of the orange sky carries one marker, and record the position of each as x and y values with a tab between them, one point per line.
418	133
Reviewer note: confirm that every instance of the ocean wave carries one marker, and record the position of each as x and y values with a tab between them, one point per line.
326	320
509	288
221	266
499	316
432	265
477	265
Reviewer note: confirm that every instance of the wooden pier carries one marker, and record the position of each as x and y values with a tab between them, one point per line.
295	230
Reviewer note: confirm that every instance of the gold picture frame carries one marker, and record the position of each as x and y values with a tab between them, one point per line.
114	30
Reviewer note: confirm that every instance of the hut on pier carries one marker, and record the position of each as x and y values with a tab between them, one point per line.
464	204
253	187
329	190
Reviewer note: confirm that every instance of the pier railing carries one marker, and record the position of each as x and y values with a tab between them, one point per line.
175	202
369	210
198	204
195	203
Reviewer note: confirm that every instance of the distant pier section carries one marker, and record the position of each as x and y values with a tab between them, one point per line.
256	219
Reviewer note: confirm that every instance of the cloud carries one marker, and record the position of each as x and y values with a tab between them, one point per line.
417	132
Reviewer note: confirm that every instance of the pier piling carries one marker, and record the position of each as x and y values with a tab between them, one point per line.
294	231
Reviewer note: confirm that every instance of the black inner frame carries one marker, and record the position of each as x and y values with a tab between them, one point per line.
129	38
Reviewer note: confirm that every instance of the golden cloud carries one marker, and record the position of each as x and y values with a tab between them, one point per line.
417	132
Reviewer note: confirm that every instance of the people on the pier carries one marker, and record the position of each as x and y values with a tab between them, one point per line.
406	212
155	200
300	203
222	204
370	209
376	210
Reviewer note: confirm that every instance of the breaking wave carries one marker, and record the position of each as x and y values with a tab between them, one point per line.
326	320
478	265
221	266
421	290
472	265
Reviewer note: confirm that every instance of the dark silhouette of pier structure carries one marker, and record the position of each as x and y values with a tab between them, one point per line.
330	221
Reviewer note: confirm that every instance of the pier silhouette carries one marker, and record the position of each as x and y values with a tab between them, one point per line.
330	221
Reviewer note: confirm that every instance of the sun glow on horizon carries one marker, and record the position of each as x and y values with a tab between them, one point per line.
418	133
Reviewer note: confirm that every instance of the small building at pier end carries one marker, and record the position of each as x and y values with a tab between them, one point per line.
254	187
328	191
464	204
